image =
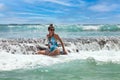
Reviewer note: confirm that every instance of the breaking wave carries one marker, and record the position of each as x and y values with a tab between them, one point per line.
59	28
20	53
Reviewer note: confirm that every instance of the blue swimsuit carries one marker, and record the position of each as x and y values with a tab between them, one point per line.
52	43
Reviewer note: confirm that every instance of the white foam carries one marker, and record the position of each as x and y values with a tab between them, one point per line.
90	27
10	61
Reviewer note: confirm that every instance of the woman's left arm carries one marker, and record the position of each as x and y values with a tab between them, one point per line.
62	44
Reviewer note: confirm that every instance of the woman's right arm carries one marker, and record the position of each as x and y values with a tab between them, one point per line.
46	41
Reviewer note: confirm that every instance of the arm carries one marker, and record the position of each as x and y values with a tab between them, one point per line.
46	41
62	44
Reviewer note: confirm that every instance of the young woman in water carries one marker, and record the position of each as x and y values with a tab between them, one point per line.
52	43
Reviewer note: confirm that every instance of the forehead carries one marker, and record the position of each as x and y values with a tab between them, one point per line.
51	28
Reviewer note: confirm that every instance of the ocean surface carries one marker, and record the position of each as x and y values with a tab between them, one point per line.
93	52
69	31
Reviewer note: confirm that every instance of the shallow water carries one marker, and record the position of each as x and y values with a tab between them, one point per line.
69	31
94	53
74	70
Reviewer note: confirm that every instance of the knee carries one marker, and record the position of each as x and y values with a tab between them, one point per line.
57	51
39	52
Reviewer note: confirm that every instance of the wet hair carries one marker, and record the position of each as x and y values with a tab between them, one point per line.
51	27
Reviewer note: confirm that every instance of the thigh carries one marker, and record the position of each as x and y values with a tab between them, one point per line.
44	52
54	53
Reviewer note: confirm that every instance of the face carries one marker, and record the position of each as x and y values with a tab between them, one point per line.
51	31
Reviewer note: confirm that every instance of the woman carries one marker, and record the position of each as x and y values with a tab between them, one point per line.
52	43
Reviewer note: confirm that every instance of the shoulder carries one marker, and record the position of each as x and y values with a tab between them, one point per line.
56	36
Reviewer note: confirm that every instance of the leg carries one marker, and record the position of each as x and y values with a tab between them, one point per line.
44	52
54	53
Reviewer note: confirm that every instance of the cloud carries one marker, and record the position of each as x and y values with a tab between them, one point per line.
102	18
31	19
2	6
60	2
82	3
10	20
53	11
116	16
1	15
103	7
27	13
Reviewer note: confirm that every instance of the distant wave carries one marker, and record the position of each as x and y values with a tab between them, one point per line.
67	28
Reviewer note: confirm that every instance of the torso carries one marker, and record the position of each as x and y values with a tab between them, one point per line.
55	36
52	42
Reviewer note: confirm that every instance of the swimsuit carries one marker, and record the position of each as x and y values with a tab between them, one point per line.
52	44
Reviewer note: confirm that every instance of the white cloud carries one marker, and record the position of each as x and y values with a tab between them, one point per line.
58	2
61	2
13	20
103	7
1	15
82	3
29	1
102	18
116	16
28	13
2	6
34	19
53	11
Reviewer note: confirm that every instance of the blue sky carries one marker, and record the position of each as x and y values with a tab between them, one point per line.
60	11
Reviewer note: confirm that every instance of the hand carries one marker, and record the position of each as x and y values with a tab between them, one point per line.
64	52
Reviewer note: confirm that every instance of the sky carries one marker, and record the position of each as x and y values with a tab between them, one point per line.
59	11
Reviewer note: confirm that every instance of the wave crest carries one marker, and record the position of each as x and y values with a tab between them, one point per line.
59	28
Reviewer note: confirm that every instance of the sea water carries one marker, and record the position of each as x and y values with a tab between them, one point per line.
69	31
93	53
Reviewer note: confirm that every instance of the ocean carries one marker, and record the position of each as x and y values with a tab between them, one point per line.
93	52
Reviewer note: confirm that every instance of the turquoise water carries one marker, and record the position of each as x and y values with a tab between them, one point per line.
104	64
69	31
74	70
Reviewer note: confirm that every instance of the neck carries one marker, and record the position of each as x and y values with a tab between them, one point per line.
50	35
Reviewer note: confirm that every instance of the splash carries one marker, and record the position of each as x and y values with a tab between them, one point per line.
20	53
